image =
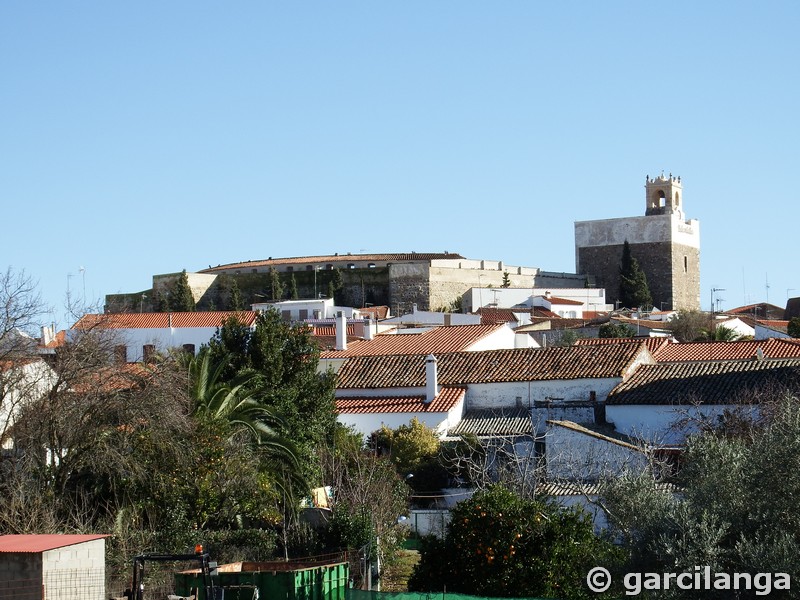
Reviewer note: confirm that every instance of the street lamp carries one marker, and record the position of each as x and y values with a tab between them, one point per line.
714	289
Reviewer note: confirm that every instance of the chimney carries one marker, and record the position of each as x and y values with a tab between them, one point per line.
414	307
368	331
48	335
341	331
431	379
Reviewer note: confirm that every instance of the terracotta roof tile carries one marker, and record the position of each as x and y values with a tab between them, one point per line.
376	312
523	364
706	382
59	340
436	340
446	399
556	300
717	351
330	330
24	544
491	315
162	320
116	378
654	344
330	258
483	423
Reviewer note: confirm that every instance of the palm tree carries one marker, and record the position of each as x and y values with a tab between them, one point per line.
719	333
236	404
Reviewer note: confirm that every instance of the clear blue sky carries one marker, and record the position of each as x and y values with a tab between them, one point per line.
148	137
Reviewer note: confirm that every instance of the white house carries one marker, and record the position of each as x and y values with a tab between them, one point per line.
137	336
589	299
663	403
307	309
21	381
555	383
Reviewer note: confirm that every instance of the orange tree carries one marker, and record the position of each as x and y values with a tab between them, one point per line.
499	544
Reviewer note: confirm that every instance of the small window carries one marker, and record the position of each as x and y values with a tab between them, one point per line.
148	352
329	267
286	315
255	270
309	267
189	349
685	264
371	265
121	354
351	266
303	314
289	269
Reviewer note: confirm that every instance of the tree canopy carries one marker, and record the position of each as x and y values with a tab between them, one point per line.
499	544
281	361
738	509
616	330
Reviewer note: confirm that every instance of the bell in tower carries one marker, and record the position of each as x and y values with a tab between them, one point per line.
663	195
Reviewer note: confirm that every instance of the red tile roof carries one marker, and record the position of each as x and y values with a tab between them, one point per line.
491	315
436	340
331	258
654	344
717	351
116	378
706	382
42	543
328	342
446	399
761	309
330	330
556	300
376	312
58	341
163	320
489	366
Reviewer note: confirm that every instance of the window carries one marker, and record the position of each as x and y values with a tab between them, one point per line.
329	267
148	352
286	315
371	265
289	269
303	314
121	354
309	267
351	266
685	264
189	349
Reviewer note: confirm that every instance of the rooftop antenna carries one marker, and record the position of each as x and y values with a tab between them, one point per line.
766	285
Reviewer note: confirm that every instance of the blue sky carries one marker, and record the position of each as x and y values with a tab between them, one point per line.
148	137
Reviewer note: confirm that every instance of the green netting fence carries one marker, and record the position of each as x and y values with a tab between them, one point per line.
353	594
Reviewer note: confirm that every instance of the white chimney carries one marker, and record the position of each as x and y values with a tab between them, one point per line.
431	379
341	331
368	331
414	307
48	335
521	340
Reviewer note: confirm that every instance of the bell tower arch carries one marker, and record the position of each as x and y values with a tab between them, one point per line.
664	195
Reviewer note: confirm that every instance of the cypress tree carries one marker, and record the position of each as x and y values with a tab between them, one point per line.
293	294
236	302
275	284
633	289
180	297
